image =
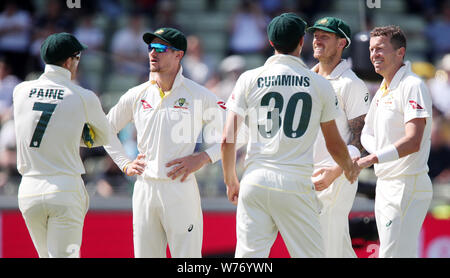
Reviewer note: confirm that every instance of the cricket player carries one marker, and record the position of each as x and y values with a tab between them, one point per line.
285	104
50	116
169	112
331	37
397	133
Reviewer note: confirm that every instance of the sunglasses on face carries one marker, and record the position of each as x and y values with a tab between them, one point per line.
160	48
77	56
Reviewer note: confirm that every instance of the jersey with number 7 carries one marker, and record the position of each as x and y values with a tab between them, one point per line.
285	103
49	115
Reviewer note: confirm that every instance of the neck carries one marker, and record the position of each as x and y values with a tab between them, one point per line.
165	80
326	67
388	76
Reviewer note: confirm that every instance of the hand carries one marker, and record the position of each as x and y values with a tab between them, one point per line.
324	177
187	165
136	167
367	161
233	191
353	173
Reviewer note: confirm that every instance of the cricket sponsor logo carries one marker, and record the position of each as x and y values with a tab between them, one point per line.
145	104
415	105
222	105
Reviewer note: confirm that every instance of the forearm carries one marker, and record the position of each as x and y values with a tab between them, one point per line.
338	150
356	126
228	152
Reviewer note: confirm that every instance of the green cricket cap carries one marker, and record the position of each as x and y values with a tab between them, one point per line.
171	36
286	29
60	46
333	25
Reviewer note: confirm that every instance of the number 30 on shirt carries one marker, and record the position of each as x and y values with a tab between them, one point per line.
274	114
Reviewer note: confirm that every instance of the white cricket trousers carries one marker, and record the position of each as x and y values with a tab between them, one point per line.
54	209
167	212
337	202
401	205
271	202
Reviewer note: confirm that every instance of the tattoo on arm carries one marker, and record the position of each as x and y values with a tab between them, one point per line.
356	125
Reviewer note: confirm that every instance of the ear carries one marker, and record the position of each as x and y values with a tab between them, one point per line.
302	40
342	42
401	52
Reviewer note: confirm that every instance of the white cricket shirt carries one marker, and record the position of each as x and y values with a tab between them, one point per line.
407	98
353	97
49	115
284	103
168	127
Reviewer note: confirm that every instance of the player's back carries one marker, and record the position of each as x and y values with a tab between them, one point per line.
49	116
285	103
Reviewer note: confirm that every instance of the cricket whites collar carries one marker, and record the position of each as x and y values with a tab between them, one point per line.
342	67
402	71
176	83
283	58
57	71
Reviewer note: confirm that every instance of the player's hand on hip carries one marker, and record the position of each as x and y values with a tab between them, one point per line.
324	177
137	166
186	165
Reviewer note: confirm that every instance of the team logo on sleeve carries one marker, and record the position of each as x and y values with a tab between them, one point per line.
145	105
222	105
415	105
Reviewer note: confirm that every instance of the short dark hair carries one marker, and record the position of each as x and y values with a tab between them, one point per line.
396	35
286	48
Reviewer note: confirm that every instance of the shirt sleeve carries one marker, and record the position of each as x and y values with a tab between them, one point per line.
96	118
214	121
417	102
119	116
356	100
237	102
330	107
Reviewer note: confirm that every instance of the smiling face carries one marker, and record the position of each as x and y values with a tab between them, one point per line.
327	45
384	57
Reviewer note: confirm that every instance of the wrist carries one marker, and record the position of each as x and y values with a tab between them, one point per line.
386	154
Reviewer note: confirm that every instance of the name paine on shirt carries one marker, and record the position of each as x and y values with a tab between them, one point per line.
283	80
47	93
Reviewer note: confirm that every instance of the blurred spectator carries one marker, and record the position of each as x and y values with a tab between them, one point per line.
15	28
89	34
129	51
7	83
440	87
438	33
248	29
229	71
147	7
8	158
272	8
57	16
165	15
112	8
196	65
112	181
438	161
310	8
53	20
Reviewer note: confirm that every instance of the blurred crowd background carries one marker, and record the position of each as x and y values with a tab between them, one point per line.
225	38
